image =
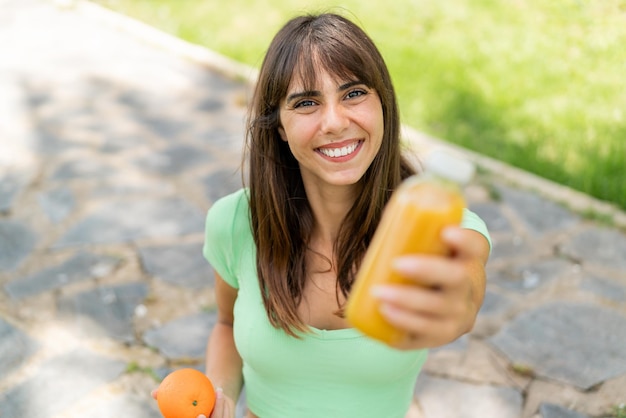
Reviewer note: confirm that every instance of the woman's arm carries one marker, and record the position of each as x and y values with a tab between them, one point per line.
223	363
447	293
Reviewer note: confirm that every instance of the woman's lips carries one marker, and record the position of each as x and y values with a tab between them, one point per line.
339	150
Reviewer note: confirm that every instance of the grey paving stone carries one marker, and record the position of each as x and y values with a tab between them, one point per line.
58	384
221	137
82	266
528	277
493	216
184	338
163	126
602	246
106	311
49	141
12	183
460	344
81	169
224	131
39	99
182	265
148	186
494	303
57	133
16	243
174	160
509	247
443	398
15	348
117	143
539	214
134	99
16	133
210	104
161	372
562	341
222	182
124	405
129	220
605	288
57	204
549	410
217	84
212	134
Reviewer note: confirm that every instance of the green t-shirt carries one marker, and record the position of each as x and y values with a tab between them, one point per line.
326	373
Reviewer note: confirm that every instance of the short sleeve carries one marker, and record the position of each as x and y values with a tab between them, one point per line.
219	246
473	221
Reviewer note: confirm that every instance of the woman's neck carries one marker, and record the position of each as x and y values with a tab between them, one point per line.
330	208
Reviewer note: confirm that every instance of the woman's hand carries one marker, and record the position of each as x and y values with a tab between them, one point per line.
447	295
224	406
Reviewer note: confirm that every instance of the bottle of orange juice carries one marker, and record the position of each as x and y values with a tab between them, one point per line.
412	222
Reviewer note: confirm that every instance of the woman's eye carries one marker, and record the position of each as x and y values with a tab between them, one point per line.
304	103
355	93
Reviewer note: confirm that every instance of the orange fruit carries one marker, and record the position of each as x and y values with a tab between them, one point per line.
186	393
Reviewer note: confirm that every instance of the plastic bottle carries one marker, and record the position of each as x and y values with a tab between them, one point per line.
412	222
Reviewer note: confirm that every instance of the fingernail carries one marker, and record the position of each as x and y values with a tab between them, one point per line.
387	310
219	393
405	264
383	292
450	233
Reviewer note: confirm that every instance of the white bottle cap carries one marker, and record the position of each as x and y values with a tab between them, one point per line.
449	166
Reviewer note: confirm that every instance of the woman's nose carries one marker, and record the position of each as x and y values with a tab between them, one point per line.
334	119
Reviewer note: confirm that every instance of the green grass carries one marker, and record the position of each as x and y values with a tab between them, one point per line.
134	367
538	84
619	411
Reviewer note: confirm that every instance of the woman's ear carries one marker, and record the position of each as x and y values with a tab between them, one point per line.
282	133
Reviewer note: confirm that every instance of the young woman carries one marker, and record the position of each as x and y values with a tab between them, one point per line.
324	155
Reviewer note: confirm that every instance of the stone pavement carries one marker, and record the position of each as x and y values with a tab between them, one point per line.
112	149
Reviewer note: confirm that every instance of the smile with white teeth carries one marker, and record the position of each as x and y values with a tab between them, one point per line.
339	152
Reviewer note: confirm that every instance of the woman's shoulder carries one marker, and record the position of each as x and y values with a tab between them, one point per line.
234	204
229	214
227	232
232	200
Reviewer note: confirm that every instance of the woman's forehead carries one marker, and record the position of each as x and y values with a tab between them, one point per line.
319	77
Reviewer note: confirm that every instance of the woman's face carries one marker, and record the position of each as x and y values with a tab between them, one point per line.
334	131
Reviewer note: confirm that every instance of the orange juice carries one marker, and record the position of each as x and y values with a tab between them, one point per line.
411	223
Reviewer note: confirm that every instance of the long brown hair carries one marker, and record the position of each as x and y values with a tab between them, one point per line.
281	218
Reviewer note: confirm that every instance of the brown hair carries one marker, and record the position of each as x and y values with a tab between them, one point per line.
281	218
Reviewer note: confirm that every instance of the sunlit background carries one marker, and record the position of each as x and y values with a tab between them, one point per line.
537	84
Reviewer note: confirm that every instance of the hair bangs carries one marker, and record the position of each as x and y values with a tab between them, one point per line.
344	61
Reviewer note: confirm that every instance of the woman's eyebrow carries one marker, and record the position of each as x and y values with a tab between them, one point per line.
349	84
317	93
297	95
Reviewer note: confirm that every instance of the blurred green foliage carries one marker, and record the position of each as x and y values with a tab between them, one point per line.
538	84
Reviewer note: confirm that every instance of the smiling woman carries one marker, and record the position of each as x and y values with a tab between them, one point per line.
324	155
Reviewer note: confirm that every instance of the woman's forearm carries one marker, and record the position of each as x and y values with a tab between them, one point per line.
223	363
